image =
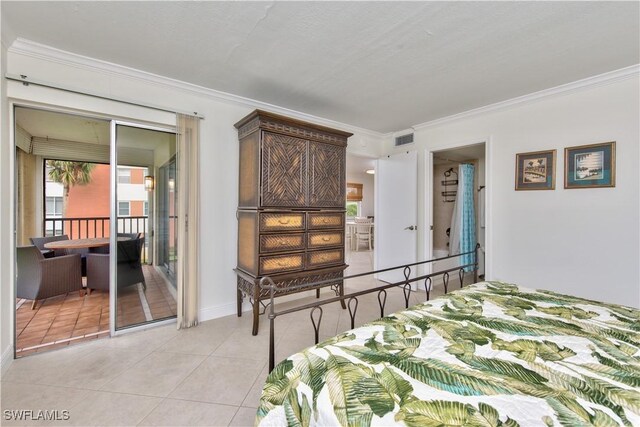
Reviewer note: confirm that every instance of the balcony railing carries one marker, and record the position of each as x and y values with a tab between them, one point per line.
93	227
96	227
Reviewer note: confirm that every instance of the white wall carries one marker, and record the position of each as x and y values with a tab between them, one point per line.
132	192
367	189
219	153
582	242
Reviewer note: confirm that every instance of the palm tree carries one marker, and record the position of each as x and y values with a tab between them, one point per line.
69	174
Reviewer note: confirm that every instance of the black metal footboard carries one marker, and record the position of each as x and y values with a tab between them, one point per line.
352	298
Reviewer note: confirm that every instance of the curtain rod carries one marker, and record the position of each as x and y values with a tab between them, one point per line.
25	80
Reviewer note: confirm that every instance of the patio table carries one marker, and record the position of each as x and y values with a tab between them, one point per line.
81	243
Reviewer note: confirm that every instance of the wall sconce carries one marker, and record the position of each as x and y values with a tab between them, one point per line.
172	184
370	171
149	183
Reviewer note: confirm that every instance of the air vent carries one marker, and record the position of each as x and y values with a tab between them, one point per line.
404	139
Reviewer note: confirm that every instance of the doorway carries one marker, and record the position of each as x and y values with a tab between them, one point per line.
85	190
360	222
445	193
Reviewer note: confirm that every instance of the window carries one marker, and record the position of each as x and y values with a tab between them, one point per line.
146	209
124	176
124	209
354	199
353	209
54	207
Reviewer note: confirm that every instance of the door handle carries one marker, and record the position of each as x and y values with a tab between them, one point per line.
411	227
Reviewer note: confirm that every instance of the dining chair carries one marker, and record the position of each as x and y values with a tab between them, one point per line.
129	266
38	277
363	232
349	237
130	235
39	243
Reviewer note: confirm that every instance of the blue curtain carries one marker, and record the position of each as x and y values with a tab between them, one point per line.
467	228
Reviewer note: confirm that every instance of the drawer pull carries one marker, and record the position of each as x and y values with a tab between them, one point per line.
326	239
282	242
324	258
284	220
325	220
282	264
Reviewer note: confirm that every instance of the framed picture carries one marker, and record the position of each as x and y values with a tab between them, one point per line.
590	166
536	170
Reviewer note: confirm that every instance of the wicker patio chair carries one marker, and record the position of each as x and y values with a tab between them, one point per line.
39	242
39	277
129	266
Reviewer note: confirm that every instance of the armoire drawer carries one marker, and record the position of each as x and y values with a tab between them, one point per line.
320	220
281	242
282	221
325	257
281	263
323	239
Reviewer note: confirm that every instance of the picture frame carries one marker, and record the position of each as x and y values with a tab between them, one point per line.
590	166
536	170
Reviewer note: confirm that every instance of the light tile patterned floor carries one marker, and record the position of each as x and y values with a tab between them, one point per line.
83	318
211	375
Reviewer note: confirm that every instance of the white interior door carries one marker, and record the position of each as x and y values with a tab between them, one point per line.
396	217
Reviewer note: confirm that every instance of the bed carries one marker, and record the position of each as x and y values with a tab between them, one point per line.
491	354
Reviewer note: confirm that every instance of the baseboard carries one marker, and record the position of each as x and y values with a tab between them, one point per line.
6	360
222	310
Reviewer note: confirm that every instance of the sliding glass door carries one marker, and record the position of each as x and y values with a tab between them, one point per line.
143	244
167	205
96	201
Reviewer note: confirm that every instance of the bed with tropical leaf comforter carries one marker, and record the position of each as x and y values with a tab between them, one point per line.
491	354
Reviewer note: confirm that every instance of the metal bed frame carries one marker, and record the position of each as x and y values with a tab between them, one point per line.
352	298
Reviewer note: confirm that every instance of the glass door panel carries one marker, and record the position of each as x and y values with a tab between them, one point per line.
167	216
145	245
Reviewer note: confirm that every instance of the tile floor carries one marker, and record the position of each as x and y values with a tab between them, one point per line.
211	375
82	318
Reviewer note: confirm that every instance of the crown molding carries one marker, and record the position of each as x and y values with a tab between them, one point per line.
587	83
36	50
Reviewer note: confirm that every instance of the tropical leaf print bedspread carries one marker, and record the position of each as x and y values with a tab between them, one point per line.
491	354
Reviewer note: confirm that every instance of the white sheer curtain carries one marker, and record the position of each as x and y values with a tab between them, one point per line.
188	141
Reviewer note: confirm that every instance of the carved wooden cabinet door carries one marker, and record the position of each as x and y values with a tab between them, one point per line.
284	171
326	175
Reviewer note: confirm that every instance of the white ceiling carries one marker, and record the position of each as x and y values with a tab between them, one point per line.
359	164
383	66
47	124
68	127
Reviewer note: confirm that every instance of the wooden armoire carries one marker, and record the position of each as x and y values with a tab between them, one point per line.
291	206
